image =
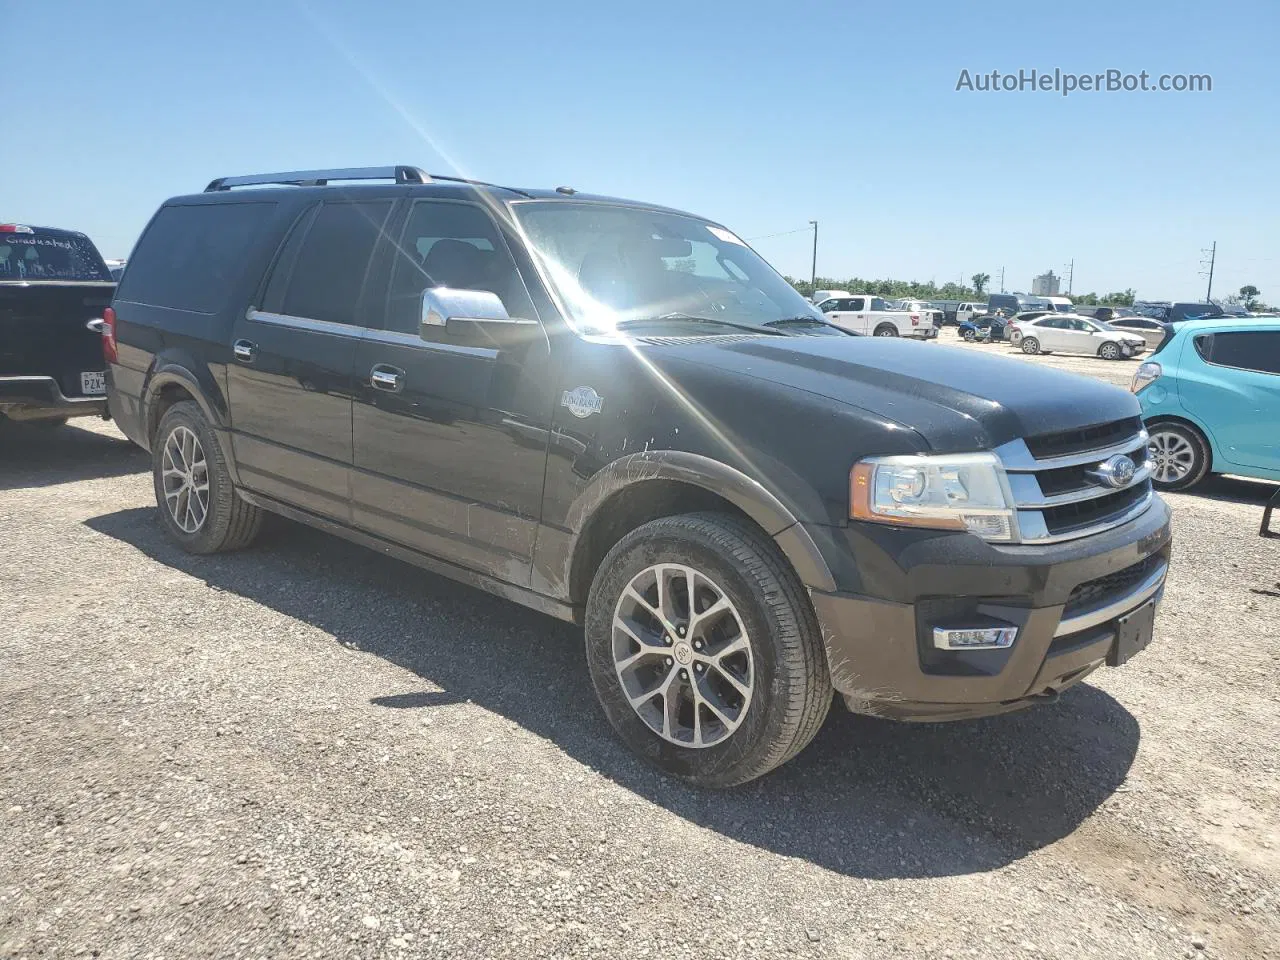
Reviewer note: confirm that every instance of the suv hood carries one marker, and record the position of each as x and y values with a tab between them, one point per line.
957	400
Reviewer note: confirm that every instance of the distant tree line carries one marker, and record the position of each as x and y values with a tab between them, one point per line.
890	289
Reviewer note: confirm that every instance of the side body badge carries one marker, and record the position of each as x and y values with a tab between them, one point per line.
582	402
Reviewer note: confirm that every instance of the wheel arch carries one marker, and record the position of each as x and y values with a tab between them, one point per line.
636	489
173	380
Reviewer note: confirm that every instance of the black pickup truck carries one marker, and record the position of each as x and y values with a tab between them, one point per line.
54	287
620	415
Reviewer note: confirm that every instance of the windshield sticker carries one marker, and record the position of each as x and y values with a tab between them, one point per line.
720	233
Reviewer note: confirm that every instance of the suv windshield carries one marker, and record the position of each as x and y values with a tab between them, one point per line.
613	264
49	256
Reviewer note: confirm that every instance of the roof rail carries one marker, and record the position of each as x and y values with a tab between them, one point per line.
318	178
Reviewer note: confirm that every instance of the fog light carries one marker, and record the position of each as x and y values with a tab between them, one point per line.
974	638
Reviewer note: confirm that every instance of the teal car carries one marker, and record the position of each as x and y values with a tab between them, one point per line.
1210	398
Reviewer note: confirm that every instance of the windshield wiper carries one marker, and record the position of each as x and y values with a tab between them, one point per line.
807	321
690	318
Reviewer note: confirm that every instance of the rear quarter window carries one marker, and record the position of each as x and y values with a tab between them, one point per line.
191	257
1257	350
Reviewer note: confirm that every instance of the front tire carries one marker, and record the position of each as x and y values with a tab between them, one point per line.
886	330
198	503
1109	351
1030	346
704	650
1180	454
970	335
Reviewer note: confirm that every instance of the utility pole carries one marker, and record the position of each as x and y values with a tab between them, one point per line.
1213	256
813	273
1002	279
1071	274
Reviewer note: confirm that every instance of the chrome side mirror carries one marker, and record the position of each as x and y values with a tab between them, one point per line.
446	307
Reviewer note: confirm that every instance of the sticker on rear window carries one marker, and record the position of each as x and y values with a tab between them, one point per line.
720	233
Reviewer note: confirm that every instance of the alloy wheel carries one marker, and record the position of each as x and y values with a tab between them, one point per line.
682	655
1172	456
185	474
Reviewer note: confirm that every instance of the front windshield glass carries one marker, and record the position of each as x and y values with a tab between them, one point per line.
613	264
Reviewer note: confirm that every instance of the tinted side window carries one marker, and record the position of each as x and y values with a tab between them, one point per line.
1246	349
451	245
857	303
329	274
191	256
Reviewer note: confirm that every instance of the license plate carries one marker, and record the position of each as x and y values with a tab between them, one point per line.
93	383
1133	633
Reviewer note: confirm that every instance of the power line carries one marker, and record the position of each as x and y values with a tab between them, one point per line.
784	233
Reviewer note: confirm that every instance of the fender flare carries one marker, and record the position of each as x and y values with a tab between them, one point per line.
750	496
166	373
171	371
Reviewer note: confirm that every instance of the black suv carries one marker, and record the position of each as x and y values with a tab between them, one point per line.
620	415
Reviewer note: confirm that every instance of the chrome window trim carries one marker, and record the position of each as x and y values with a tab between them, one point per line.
1109	610
306	323
399	339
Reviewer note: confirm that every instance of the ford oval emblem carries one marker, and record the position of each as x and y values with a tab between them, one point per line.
1117	471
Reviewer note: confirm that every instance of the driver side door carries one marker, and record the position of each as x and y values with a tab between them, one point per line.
450	424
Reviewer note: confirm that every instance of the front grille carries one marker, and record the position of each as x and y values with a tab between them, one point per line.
1049	445
1100	509
1059	492
1095	593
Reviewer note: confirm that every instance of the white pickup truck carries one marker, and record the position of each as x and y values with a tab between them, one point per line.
874	316
921	307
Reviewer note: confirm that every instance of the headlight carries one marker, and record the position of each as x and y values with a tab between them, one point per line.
950	492
1145	375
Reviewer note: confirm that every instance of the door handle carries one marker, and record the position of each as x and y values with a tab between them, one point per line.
246	351
386	378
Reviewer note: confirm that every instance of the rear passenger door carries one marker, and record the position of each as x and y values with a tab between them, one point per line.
291	380
451	423
1231	382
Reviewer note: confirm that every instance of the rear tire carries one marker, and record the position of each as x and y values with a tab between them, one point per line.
1109	351
749	685
886	330
1181	456
198	503
1030	346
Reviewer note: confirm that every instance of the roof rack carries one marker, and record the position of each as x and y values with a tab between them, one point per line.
319	178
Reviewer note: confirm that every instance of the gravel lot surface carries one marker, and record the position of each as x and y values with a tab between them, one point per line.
307	749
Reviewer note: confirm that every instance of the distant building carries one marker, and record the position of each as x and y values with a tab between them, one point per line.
1045	285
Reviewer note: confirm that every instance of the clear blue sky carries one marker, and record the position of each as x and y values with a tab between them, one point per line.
761	115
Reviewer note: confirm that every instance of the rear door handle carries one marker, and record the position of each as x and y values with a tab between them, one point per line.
386	378
246	351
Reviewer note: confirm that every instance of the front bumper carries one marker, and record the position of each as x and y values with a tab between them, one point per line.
37	398
879	635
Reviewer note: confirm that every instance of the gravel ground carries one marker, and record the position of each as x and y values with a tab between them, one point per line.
307	749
